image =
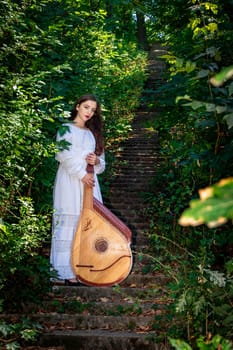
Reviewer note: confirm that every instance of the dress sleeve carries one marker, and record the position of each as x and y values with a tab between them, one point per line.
99	168
69	159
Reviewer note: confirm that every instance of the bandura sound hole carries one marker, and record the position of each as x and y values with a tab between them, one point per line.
101	245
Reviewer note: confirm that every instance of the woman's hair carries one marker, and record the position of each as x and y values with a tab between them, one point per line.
94	124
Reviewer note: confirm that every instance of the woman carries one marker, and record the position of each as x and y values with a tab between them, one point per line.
84	145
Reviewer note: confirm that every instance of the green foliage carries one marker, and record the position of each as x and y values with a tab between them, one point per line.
195	129
217	342
23	269
202	300
13	335
51	52
214	208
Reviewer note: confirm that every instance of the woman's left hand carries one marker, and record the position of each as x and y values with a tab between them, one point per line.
92	159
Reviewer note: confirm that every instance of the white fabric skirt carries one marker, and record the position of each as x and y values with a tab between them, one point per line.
64	227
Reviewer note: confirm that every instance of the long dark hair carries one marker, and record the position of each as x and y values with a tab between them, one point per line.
95	124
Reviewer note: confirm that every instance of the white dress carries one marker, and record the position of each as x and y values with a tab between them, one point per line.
68	195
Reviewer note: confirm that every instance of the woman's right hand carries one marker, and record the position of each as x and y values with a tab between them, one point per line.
88	180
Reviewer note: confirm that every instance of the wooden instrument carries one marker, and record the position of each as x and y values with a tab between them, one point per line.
101	254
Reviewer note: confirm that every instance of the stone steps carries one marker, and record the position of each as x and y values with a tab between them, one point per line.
101	340
126	316
120	317
123	315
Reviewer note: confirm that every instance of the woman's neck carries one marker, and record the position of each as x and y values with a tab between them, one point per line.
79	123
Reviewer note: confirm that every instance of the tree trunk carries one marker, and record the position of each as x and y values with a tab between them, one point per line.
141	31
109	8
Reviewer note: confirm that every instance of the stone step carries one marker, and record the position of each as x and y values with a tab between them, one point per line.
142	159
91	322
124	203
136	190
140	239
135	171
110	294
134	220
126	188
130	216
130	180
116	203
101	340
140	138
149	154
139	167
123	186
130	162
141	135
102	310
139	142
136	279
131	219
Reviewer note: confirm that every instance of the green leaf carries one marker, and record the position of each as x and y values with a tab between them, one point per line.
195	104
216	277
13	346
180	344
210	107
29	334
186	97
221	77
230	89
213	209
4	329
229	120
221	109
203	73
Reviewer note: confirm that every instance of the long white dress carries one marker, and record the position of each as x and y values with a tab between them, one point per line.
68	195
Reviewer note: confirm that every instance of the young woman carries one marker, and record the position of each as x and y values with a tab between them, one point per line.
84	145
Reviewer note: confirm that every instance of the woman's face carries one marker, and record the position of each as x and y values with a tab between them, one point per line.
86	110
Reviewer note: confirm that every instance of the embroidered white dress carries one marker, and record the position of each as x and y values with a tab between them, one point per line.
68	195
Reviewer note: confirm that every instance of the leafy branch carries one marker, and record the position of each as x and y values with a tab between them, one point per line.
214	208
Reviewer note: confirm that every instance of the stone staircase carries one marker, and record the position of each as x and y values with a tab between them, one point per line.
123	317
126	316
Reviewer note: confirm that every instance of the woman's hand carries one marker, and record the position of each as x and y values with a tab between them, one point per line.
88	180
92	159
